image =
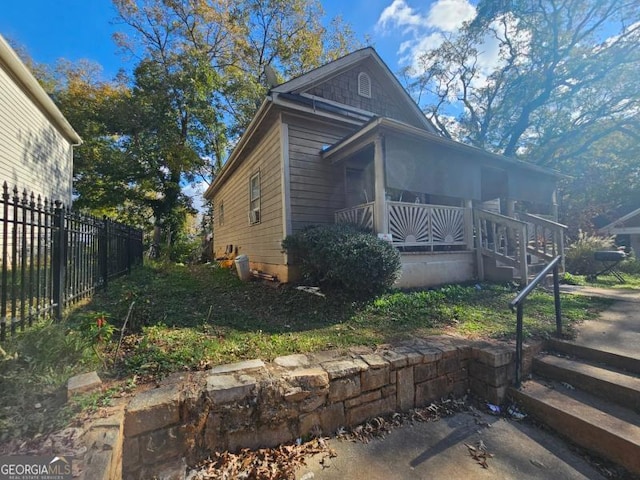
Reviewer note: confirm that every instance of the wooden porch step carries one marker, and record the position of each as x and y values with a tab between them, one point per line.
620	387
612	359
596	424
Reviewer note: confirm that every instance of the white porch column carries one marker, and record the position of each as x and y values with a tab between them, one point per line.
468	224
380	209
554	205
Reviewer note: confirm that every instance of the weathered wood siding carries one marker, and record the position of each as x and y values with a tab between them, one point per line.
261	242
385	101
33	153
317	187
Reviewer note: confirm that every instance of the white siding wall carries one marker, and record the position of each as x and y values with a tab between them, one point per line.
33	153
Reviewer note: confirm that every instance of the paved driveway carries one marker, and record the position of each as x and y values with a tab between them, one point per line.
438	450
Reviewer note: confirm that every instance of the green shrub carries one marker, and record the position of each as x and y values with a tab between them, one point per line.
343	257
630	266
569	279
579	258
185	249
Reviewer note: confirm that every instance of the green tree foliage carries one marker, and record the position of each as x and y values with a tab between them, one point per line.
102	172
198	81
560	91
235	39
286	35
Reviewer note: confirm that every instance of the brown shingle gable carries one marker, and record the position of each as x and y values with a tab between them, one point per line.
337	81
384	100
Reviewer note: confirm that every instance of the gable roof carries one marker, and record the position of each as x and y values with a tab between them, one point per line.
290	94
619	223
342	64
22	77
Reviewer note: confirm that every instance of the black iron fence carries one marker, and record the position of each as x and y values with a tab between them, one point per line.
52	257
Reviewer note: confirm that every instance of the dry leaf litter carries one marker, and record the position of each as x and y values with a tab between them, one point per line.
282	463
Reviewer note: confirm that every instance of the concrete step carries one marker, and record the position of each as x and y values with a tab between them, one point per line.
619	387
615	360
589	421
497	272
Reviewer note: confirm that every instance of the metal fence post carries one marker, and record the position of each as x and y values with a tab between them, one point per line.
58	260
50	257
556	300
4	294
103	252
129	246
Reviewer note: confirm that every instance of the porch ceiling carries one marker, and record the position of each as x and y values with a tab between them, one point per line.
419	161
382	125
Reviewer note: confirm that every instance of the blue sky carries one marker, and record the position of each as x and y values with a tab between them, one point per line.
76	29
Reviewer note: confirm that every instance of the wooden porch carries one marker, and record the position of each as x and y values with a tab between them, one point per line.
462	243
430	197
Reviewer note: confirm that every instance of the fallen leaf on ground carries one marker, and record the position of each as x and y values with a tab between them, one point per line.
278	463
479	453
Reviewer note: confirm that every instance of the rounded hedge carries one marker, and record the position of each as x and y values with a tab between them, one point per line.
344	257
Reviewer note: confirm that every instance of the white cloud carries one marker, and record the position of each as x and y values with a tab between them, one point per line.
489	51
412	50
425	29
399	14
449	15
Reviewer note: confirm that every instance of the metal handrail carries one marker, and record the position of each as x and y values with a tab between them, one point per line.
517	305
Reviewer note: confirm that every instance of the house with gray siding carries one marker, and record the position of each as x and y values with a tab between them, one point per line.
346	143
36	141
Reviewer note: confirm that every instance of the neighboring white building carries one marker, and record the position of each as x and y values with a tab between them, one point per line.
36	141
629	224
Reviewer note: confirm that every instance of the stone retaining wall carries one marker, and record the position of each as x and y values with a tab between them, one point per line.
252	404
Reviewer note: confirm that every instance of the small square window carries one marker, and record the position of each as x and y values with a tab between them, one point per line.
254	199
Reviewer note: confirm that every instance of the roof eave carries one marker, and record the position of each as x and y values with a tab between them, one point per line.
394	125
235	154
624	218
30	85
337	66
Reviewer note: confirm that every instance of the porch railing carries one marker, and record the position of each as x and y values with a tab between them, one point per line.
360	215
503	239
545	237
517	243
415	224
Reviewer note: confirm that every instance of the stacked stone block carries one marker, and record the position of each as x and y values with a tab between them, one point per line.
252	404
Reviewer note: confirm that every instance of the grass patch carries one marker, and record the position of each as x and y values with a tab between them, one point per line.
631	282
33	374
194	317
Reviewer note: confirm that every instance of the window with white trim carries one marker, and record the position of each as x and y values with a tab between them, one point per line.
364	85
254	199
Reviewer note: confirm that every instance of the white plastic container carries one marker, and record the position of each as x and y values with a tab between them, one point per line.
242	267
